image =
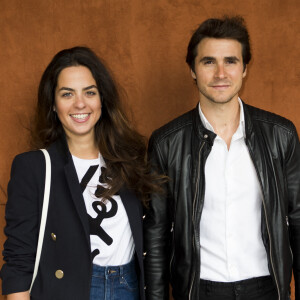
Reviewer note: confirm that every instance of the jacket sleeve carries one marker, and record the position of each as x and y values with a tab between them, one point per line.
22	219
293	185
157	235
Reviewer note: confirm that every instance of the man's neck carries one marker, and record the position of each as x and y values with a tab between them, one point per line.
224	118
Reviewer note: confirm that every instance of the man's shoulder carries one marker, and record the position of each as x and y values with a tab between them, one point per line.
177	125
259	115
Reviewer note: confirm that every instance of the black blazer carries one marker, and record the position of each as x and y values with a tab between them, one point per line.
66	244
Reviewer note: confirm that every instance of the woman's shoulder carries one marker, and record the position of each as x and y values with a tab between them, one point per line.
27	173
33	156
29	161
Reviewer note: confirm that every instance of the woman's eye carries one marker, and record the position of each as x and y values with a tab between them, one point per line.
66	95
91	93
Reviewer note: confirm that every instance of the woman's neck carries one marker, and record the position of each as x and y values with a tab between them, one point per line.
83	148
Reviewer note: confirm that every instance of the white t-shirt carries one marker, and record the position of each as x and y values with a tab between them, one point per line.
110	233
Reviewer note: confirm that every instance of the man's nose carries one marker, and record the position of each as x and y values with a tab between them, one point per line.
220	71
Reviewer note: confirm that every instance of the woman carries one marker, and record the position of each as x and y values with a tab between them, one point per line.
93	238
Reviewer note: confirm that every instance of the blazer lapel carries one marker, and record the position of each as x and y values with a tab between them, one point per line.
133	207
77	197
64	154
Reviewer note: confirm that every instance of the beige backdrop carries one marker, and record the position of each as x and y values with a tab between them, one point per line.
144	43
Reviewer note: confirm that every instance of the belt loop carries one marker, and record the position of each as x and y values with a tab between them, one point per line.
208	287
259	283
121	270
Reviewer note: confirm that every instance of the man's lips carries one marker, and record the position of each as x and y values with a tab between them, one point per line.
220	86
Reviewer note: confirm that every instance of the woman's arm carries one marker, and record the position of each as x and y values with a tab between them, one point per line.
19	296
25	188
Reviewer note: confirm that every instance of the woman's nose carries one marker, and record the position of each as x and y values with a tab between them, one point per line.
79	101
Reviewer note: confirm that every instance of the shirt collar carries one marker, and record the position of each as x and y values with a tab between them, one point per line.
241	129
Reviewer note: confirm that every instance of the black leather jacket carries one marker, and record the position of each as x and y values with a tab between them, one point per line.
171	226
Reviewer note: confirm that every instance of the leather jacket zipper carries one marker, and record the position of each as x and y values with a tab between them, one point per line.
172	256
263	200
288	225
268	228
194	204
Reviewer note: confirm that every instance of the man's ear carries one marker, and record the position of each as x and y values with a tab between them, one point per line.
193	74
245	72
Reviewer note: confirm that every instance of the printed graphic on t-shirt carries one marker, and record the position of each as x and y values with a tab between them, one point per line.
100	208
110	233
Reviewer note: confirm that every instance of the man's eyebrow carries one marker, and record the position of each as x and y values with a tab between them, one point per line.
211	58
206	58
234	58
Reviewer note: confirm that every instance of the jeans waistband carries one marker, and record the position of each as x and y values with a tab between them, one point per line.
114	270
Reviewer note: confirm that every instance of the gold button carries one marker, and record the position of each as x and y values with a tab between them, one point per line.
53	236
144	253
59	274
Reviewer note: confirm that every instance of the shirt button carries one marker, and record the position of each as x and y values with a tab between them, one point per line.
53	236
145	253
144	216
59	274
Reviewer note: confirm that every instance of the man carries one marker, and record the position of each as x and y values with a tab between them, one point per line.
228	224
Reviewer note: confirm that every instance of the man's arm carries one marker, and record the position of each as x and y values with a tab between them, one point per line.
156	235
293	183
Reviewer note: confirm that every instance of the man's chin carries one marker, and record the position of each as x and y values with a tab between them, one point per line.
220	101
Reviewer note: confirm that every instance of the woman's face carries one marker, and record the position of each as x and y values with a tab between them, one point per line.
77	102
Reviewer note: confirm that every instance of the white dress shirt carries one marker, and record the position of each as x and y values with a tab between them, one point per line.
231	246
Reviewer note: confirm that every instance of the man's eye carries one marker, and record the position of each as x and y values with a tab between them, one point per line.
231	61
208	62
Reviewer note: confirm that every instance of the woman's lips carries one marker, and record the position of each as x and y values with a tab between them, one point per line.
80	118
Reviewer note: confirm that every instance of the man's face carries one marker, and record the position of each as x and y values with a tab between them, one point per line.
219	70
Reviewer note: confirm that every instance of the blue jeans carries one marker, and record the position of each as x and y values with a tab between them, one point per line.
115	283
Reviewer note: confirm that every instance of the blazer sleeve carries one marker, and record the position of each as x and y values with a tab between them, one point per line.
22	214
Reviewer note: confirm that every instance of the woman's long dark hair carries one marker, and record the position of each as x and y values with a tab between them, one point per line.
123	148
